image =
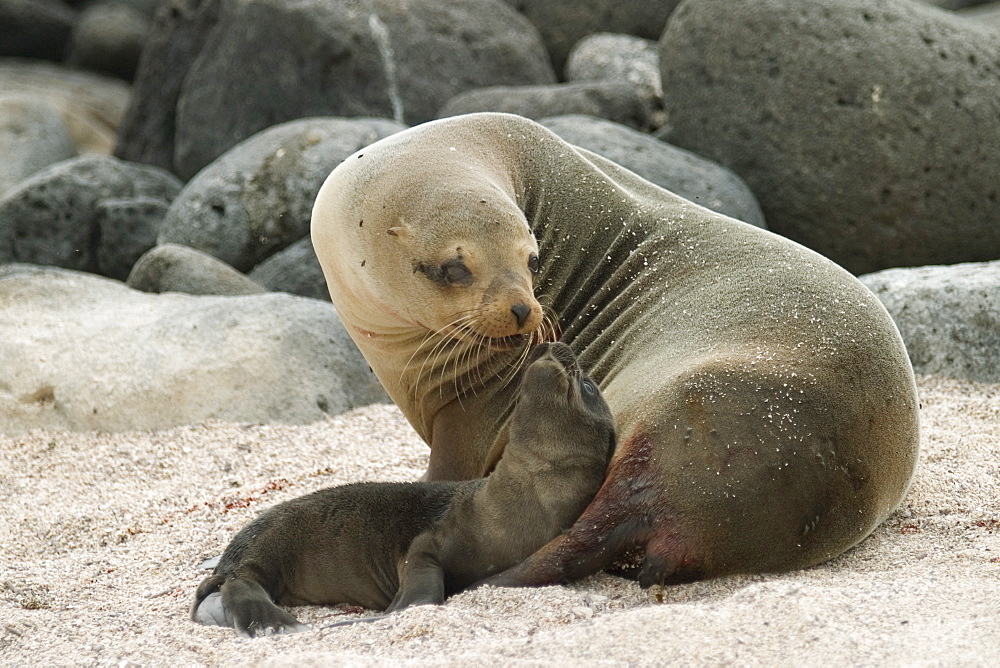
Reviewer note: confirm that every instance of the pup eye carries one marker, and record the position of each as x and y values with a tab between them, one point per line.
588	386
533	263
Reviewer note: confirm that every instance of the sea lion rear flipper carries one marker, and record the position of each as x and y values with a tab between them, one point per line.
210	611
250	610
207	607
570	556
421	578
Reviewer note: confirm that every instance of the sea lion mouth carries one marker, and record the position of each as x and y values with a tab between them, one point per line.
506	342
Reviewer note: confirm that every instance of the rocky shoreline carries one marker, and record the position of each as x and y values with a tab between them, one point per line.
190	164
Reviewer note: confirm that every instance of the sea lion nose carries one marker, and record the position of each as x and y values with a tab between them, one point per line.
521	313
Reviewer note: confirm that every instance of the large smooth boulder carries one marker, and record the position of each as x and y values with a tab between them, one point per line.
35	28
91	105
86	353
32	136
257	198
691	176
562	24
949	317
109	37
56	216
955	4
605	56
984	16
868	131
619	101
364	58
173	268
128	227
178	31
296	270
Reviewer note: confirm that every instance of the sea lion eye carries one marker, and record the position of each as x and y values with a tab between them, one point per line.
533	263
449	273
588	386
455	271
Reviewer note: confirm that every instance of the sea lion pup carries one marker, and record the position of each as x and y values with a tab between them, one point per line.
765	406
393	545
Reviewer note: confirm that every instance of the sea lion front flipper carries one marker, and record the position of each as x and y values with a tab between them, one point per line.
421	578
253	613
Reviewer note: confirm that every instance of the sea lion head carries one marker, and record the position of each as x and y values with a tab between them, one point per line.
460	261
564	404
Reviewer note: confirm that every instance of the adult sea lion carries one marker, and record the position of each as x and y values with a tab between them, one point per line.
765	405
392	545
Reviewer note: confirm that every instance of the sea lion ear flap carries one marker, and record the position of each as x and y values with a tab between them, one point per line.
398	231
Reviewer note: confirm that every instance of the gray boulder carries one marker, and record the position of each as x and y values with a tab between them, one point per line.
955	4
127	228
868	131
178	31
173	268
691	176
257	198
619	101
365	58
86	353
52	217
32	136
562	24
949	317
607	56
295	270
91	105
108	38
984	16
35	28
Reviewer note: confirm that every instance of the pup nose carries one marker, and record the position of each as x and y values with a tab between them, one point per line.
521	313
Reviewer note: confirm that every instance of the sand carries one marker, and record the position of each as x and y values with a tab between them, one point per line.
101	536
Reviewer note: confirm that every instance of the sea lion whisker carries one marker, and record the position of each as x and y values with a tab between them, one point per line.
429	336
509	372
439	345
452	343
516	365
549	328
427	356
443	338
476	359
481	348
479	345
463	324
462	362
552	320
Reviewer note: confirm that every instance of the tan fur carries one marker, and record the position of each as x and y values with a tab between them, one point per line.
765	404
